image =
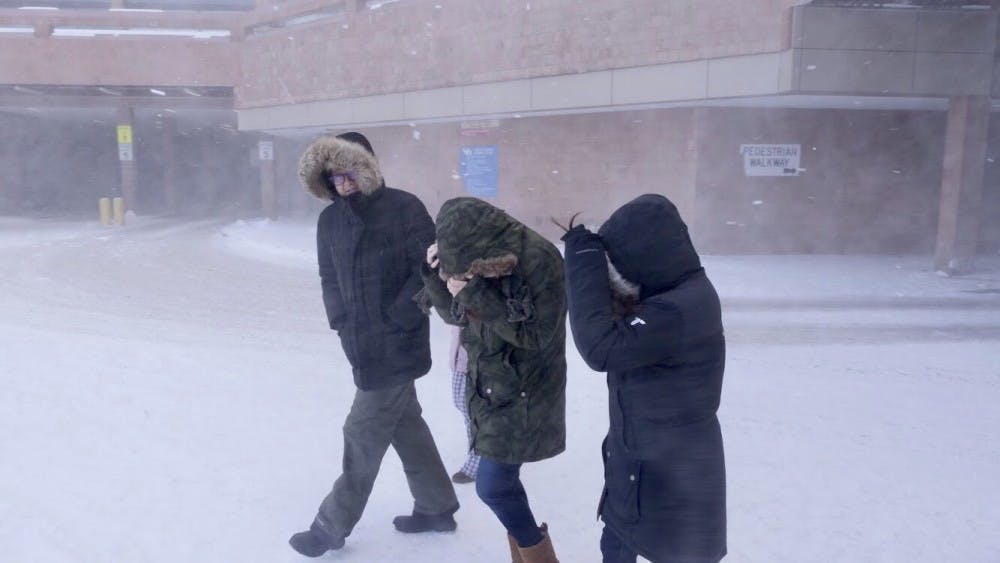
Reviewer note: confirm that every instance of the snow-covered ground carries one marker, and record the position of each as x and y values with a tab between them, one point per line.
169	392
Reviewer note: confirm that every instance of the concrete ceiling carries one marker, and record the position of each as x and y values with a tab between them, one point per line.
185	119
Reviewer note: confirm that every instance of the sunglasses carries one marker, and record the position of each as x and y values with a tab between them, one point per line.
338	178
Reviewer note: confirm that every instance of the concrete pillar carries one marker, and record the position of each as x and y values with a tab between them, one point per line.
9	169
6	172
171	199
687	199
698	209
265	156
962	183
127	187
25	168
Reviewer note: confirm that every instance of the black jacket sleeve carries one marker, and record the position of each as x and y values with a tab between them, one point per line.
605	344
333	300
419	234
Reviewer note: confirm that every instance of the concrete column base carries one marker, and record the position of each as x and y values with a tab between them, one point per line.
962	184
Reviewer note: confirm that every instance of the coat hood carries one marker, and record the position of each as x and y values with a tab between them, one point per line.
475	238
648	243
336	154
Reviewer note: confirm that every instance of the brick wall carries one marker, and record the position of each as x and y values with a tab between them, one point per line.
118	61
422	44
549	167
871	182
124	60
870	185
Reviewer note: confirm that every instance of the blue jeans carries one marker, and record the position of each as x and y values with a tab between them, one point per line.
614	550
499	486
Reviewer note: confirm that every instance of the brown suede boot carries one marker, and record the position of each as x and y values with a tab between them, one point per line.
515	551
542	552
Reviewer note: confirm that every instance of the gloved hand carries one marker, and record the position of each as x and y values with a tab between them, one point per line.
580	235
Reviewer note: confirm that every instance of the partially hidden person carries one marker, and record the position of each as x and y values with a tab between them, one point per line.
459	370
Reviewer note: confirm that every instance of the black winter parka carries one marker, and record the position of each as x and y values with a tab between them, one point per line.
664	492
369	247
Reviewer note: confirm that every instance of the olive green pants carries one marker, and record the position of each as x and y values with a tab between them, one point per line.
378	419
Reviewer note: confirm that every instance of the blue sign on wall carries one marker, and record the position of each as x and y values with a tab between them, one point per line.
479	165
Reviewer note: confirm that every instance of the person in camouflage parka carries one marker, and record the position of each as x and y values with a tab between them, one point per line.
503	284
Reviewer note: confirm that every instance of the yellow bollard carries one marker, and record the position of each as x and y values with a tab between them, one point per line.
104	210
119	205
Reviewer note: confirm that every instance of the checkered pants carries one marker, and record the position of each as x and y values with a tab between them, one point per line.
458	379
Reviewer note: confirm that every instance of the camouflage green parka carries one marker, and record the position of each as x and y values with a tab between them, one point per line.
513	318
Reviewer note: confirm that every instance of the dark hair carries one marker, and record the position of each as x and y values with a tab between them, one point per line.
566	228
358	138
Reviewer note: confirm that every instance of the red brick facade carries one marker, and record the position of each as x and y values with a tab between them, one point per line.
423	44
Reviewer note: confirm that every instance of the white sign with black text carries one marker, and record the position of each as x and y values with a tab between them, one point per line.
265	150
125	152
771	160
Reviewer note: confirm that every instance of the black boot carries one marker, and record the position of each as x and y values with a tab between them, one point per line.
315	541
420	522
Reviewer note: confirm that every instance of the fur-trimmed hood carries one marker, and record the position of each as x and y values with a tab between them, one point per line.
333	154
477	239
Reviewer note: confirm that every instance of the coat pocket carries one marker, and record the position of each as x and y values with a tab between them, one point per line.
497	382
622	480
347	342
398	346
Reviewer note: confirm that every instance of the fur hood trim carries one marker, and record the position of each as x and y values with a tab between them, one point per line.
330	154
621	286
495	267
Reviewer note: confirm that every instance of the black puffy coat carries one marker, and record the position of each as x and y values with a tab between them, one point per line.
370	246
665	492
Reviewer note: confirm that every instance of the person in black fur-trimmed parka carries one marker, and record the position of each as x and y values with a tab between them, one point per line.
370	242
643	310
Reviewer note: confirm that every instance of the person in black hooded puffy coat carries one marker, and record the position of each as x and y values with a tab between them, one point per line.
643	310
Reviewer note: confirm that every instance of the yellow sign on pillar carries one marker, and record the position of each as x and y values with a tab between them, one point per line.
124	134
